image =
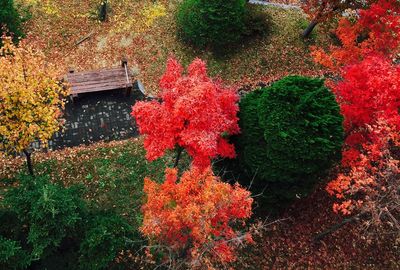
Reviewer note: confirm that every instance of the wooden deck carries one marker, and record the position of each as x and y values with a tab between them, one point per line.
100	80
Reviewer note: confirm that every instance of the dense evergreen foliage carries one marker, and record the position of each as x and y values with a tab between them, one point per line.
46	225
211	23
291	133
10	19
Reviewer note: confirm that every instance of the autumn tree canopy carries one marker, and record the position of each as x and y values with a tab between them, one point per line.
369	91
369	97
31	98
196	214
194	113
375	32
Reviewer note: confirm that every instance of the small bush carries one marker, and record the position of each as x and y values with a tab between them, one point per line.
10	20
291	133
211	23
103	10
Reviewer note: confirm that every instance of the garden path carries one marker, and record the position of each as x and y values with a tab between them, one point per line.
266	3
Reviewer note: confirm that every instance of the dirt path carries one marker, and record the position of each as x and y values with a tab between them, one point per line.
284	6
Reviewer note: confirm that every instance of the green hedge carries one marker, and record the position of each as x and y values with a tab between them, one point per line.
291	133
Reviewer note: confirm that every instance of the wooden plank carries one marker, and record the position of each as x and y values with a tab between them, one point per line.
97	89
101	88
110	80
108	85
95	76
96	71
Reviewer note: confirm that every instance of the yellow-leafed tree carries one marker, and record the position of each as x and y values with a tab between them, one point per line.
31	99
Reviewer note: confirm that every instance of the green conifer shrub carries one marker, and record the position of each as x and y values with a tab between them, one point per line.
291	134
211	23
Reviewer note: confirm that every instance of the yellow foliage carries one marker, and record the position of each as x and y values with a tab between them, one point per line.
48	7
153	12
31	98
149	14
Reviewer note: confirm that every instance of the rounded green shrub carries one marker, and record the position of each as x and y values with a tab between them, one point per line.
10	19
292	132
211	23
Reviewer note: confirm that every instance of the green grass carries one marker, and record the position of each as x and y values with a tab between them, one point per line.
113	176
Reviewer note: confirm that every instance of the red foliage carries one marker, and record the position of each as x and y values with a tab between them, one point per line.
371	185
369	97
379	25
370	90
196	214
195	113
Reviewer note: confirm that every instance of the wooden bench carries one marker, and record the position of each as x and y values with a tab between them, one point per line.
100	80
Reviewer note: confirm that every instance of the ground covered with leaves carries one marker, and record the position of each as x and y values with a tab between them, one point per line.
145	32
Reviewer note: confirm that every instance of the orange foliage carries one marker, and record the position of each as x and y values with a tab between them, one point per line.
370	185
380	27
195	215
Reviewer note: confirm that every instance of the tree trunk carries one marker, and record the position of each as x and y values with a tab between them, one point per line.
178	156
29	161
307	32
103	11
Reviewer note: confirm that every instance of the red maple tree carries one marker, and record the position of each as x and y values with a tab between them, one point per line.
194	113
370	90
369	97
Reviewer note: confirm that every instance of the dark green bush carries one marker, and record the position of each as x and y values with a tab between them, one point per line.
106	235
57	229
51	212
291	133
12	256
211	23
10	19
